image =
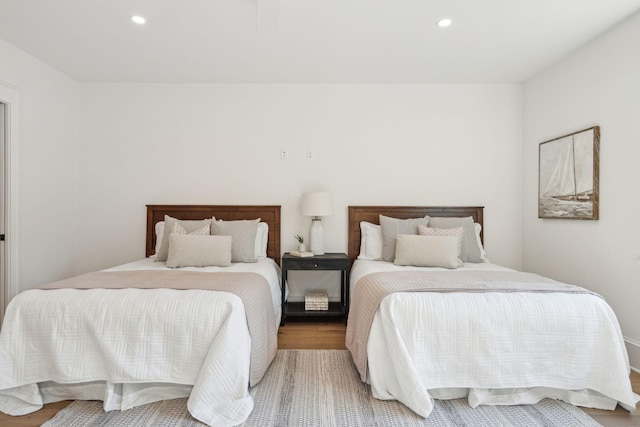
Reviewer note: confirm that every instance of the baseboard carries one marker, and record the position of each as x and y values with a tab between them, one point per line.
633	349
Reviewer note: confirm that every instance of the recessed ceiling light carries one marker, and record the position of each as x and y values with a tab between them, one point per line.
443	23
138	19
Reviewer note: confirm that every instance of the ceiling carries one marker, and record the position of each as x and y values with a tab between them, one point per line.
305	41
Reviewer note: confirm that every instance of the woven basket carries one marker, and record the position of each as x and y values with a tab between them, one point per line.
316	301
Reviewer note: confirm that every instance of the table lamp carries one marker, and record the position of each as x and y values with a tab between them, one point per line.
315	205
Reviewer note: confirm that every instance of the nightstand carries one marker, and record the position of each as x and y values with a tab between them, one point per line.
329	261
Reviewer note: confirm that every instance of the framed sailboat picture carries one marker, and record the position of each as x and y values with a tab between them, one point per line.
568	176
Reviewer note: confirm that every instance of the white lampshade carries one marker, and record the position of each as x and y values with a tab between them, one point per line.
315	204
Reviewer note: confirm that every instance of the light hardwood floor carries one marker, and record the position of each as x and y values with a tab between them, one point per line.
330	335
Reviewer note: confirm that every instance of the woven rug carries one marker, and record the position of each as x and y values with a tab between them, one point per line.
322	388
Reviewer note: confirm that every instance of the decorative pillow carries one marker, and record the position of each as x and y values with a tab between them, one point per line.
391	227
370	241
178	229
243	235
193	250
188	225
470	249
483	254
428	251
262	239
433	231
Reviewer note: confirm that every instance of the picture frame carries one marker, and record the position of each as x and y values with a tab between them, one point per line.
568	176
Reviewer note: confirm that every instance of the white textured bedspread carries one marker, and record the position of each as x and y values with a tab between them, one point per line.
496	348
127	347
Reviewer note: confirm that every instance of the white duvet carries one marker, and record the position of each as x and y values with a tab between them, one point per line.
129	347
495	348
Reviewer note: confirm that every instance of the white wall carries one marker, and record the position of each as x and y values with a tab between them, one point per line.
220	144
597	85
47	146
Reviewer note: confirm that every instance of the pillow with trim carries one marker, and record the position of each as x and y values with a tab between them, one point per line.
434	231
428	251
243	233
197	250
392	227
470	249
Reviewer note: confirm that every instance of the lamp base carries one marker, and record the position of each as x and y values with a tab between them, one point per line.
316	237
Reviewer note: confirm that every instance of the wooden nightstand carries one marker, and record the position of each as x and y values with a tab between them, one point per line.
328	261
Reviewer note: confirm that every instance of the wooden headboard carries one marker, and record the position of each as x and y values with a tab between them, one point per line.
371	214
268	214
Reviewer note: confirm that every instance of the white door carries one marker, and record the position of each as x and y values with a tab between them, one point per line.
8	194
4	291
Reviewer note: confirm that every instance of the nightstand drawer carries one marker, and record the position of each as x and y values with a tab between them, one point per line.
316	263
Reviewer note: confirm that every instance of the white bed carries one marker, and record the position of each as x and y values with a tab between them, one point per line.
132	346
496	348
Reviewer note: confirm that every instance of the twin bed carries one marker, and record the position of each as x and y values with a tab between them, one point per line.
480	331
162	334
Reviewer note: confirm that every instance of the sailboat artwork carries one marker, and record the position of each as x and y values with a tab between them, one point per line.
568	179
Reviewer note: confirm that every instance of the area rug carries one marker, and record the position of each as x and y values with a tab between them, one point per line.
322	388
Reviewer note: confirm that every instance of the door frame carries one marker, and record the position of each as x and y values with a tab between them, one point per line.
9	97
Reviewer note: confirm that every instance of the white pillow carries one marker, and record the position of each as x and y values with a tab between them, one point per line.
159	233
262	238
192	250
428	251
370	241
483	254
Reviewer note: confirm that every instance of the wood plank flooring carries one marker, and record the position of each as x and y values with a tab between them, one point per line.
312	335
301	334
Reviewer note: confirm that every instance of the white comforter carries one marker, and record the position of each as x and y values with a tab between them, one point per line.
129	347
495	348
